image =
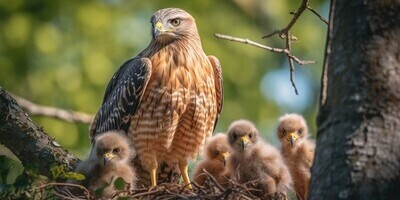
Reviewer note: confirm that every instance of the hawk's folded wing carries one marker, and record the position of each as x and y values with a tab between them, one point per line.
122	97
219	89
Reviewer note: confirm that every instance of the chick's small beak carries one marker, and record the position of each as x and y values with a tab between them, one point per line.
244	140
108	157
224	157
292	137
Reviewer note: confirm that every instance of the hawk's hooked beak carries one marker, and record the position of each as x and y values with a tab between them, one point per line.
159	29
292	137
108	156
223	157
244	140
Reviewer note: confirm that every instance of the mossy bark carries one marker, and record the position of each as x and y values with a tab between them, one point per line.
28	141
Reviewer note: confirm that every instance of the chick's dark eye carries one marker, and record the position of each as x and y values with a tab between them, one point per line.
251	135
175	22
283	132
216	153
116	150
300	131
234	136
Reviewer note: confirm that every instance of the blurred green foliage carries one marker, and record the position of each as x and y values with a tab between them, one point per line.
63	54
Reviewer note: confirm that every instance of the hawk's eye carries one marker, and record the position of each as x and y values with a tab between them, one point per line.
116	150
176	21
300	131
283	132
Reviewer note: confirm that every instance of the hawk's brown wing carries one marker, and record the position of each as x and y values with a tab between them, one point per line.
219	88
122	97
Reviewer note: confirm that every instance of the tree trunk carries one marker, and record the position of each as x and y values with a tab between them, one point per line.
358	141
28	141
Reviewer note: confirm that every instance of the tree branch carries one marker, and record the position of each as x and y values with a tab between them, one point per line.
62	114
28	141
284	34
291	65
285	51
318	15
272	49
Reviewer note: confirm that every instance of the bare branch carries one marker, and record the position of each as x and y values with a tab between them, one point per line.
62	114
288	47
318	15
86	191
283	33
214	180
272	49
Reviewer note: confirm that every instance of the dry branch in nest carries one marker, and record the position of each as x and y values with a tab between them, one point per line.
210	190
284	34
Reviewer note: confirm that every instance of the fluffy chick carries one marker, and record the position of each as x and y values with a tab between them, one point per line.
253	159
216	154
109	159
297	150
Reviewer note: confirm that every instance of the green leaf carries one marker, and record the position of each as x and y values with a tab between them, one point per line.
56	171
73	175
119	184
122	198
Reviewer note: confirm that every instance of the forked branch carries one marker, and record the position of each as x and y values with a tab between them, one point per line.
284	34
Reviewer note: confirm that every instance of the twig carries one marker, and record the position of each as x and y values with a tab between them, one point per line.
214	180
62	114
283	33
272	49
143	194
318	15
288	47
86	191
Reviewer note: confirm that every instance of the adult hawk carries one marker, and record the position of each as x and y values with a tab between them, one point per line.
167	99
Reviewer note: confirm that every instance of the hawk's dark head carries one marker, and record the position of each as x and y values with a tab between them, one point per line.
171	24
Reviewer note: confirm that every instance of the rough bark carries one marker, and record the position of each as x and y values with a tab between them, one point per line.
27	140
358	139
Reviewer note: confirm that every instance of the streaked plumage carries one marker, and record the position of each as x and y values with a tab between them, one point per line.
167	99
297	150
109	159
252	159
215	156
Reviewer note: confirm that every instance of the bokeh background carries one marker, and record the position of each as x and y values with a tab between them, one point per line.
63	54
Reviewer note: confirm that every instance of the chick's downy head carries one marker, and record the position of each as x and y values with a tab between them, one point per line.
218	148
242	134
113	147
292	129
